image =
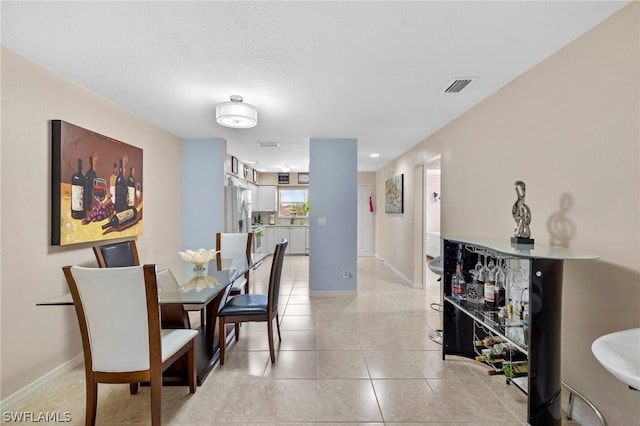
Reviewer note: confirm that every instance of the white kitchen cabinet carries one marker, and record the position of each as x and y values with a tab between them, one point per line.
254	197
271	245
295	235
267	195
280	232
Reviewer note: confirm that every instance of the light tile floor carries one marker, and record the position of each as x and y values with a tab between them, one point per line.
351	359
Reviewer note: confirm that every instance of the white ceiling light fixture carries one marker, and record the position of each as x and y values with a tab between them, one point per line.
236	114
285	169
374	155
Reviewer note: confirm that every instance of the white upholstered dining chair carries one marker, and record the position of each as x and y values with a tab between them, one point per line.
119	318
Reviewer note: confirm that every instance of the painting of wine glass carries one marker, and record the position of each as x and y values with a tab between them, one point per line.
96	186
393	194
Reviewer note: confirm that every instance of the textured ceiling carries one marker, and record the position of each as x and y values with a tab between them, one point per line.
374	71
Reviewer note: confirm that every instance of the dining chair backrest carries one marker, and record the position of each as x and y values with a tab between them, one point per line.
117	255
230	245
167	281
173	316
275	275
234	243
114	305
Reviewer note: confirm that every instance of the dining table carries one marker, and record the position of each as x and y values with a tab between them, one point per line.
207	290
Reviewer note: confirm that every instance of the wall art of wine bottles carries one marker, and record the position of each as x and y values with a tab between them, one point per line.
96	186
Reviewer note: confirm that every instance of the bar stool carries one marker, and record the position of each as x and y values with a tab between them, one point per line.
436	266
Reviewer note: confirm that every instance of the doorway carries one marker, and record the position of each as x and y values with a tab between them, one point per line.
432	249
365	220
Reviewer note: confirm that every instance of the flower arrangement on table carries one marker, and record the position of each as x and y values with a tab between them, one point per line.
198	258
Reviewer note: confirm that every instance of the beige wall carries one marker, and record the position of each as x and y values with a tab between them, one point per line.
35	340
570	129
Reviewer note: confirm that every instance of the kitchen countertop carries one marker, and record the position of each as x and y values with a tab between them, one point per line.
254	227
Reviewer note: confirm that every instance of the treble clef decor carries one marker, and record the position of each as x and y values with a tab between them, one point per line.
522	215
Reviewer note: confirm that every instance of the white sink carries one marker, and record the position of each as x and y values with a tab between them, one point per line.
619	353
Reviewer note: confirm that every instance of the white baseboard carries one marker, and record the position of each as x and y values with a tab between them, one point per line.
400	274
14	399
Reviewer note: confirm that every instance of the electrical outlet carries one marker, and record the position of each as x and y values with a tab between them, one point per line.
345	273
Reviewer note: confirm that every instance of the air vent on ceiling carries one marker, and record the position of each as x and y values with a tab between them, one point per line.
458	84
268	144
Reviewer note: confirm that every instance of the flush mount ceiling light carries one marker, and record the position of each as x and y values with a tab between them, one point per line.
285	169
236	114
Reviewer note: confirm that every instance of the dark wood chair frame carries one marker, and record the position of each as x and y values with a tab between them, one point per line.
272	307
153	375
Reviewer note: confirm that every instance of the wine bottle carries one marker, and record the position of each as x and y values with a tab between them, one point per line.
131	188
78	210
121	190
88	185
121	218
112	183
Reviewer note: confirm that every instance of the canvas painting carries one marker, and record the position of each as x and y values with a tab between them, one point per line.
97	186
393	194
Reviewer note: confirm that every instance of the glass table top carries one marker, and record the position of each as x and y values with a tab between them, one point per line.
194	288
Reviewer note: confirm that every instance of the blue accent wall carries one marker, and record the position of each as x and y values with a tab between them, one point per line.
333	193
202	187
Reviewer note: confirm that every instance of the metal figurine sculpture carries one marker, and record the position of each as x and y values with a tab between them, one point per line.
522	215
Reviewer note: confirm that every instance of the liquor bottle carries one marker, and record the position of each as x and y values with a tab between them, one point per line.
458	284
78	210
131	188
121	190
499	289
489	294
90	176
121	218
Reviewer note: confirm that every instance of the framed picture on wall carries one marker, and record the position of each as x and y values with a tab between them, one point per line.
283	178
96	186
394	194
234	165
303	177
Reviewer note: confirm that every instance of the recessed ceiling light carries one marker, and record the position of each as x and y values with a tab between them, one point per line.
251	162
374	155
285	169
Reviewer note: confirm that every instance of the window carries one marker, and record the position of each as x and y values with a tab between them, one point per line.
293	201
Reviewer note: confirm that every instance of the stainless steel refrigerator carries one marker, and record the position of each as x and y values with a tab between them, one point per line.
238	211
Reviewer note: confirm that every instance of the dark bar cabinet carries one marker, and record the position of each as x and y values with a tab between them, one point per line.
522	323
